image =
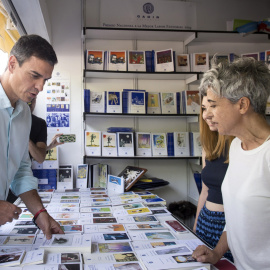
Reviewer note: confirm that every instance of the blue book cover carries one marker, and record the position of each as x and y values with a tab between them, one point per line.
86	100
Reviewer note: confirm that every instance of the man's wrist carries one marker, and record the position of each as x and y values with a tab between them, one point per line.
37	214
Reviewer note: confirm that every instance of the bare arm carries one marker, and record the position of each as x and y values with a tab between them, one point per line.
45	222
203	195
205	254
54	142
38	151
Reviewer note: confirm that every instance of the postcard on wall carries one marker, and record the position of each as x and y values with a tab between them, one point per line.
143	144
136	61
114	101
125	144
168	103
153	103
193	102
182	63
97	102
131	175
116	185
82	175
109	147
200	62
159	144
136	102
181	144
117	60
94	60
164	61
93	143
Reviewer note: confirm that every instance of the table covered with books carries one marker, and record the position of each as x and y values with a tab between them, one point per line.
102	231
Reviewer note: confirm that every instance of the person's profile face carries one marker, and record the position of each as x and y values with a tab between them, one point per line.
207	114
28	79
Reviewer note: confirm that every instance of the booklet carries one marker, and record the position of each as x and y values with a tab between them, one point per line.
143	144
164	61
153	103
151	235
114	102
159	144
93	143
109	146
65	257
94	60
136	61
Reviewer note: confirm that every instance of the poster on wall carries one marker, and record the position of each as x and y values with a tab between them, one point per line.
157	14
58	104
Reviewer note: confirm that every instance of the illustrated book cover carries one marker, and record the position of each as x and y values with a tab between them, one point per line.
159	144
153	103
143	144
182	63
131	175
168	103
114	102
82	175
164	61
117	60
181	144
109	144
97	102
136	61
125	144
93	143
94	60
200	62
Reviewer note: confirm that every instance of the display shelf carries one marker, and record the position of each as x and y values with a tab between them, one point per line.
142	157
109	74
186	36
193	117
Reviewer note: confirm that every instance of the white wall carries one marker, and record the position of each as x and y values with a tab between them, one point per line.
66	28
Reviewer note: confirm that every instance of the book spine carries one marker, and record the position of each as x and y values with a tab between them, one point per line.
153	61
170	144
86	100
148	58
191	144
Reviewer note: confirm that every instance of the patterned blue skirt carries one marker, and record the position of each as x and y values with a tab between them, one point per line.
210	226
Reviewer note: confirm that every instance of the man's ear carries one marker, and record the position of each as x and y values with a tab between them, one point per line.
12	62
244	104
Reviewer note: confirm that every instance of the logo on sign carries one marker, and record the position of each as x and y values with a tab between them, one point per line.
148	8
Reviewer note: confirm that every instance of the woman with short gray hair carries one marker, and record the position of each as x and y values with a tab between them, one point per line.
238	94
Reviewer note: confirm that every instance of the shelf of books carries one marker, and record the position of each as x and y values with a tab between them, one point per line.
186	36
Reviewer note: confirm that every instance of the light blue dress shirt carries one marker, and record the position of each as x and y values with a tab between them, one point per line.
15	164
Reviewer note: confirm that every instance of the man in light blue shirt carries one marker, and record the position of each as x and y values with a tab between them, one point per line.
30	64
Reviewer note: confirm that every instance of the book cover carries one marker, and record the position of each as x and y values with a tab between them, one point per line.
182	63
168	103
159	144
136	61
164	61
94	60
11	258
98	176
193	102
125	144
97	102
195	144
153	103
114	102
143	144
82	176
131	175
116	185
52	159
117	60
181	144
255	55
65	180
109	146
136	102
200	62
93	143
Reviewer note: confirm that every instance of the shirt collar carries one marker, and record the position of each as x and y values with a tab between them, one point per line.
5	102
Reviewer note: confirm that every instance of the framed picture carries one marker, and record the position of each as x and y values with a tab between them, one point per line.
131	175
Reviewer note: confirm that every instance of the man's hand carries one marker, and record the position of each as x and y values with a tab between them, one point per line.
54	142
205	254
48	225
8	212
